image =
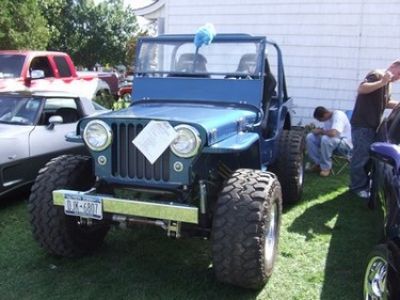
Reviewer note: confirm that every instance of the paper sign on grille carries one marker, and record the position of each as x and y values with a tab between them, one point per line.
154	139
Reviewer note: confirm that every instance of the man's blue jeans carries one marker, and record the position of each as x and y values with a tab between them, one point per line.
362	140
320	149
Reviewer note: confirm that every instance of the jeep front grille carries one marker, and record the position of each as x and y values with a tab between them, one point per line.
129	162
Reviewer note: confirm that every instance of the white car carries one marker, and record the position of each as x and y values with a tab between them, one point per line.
32	131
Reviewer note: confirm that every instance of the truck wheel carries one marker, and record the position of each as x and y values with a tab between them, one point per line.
126	97
246	227
57	233
289	164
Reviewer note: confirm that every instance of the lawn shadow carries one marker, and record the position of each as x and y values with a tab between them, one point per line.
314	187
353	234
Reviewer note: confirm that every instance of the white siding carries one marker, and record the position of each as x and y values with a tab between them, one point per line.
328	46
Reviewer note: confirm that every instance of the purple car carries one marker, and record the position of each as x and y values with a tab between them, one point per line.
382	280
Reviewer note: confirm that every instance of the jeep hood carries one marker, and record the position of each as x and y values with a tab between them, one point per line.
218	122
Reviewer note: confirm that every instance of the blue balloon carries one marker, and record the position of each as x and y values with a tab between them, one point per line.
204	35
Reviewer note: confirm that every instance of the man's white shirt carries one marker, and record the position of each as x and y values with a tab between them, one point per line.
341	123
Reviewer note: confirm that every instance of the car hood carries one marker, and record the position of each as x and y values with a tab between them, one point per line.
218	122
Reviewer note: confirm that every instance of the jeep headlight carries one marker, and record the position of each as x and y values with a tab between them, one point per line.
187	142
97	135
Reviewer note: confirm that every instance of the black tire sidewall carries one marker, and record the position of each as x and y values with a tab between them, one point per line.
239	227
56	232
288	163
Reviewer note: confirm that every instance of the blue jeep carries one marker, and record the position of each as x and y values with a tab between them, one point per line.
198	153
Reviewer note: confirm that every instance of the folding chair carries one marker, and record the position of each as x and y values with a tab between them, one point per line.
340	163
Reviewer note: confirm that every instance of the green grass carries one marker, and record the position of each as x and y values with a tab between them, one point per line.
324	242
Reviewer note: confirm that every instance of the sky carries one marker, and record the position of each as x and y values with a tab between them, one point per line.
133	3
137	3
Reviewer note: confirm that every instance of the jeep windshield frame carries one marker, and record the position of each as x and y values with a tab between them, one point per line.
177	56
213	85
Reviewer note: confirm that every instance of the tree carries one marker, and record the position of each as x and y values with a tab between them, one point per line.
22	25
52	10
131	46
91	33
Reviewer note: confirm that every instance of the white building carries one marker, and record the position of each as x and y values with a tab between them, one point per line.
328	45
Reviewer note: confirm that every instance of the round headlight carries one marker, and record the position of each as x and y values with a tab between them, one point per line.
97	135
187	142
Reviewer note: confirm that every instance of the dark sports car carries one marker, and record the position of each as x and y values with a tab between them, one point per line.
382	280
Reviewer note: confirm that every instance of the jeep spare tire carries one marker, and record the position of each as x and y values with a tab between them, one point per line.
56	232
246	227
289	164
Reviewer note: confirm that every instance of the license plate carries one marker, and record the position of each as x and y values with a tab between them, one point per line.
83	206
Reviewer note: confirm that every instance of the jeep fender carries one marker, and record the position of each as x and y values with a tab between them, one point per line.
234	144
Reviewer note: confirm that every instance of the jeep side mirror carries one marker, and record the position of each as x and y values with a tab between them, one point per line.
388	153
53	120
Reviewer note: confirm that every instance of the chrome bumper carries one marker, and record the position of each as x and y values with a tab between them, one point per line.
155	210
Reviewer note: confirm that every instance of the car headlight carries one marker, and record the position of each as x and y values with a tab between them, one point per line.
97	135
187	142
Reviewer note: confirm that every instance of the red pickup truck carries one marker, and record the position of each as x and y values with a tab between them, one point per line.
51	71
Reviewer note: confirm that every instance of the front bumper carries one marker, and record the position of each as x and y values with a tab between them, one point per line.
135	208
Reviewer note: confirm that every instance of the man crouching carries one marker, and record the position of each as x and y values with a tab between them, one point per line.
335	136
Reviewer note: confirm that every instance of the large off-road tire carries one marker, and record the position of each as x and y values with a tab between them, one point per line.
57	233
289	165
246	227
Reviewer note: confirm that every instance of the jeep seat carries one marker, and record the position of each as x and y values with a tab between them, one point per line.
269	85
269	99
186	62
246	63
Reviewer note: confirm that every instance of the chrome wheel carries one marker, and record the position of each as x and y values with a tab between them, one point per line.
271	236
375	279
126	97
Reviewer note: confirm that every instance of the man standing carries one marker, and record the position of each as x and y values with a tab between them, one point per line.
322	142
372	99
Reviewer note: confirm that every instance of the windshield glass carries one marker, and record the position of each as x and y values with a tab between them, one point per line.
19	110
11	65
236	60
